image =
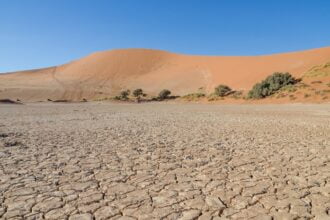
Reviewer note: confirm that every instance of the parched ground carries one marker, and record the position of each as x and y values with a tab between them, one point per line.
164	161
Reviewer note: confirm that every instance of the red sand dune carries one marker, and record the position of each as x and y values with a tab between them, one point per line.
104	74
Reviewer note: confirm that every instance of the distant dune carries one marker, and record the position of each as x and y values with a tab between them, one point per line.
104	74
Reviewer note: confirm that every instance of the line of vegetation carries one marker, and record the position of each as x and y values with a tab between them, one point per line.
276	83
139	96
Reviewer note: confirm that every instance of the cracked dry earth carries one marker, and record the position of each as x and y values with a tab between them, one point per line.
164	161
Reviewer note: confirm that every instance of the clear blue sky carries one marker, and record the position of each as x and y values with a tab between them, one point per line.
40	33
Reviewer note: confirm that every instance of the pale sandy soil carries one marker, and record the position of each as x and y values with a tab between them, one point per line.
164	161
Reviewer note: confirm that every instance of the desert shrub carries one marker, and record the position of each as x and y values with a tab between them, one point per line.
316	82
222	90
271	84
124	95
164	94
137	93
328	84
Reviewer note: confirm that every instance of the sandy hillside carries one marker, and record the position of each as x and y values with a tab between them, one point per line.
103	74
160	161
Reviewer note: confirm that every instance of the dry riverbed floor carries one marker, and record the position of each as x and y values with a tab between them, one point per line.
164	161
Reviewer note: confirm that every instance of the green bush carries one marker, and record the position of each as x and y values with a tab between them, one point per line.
222	90
271	84
164	94
137	93
124	95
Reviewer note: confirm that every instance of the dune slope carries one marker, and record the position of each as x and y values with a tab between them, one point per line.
104	74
